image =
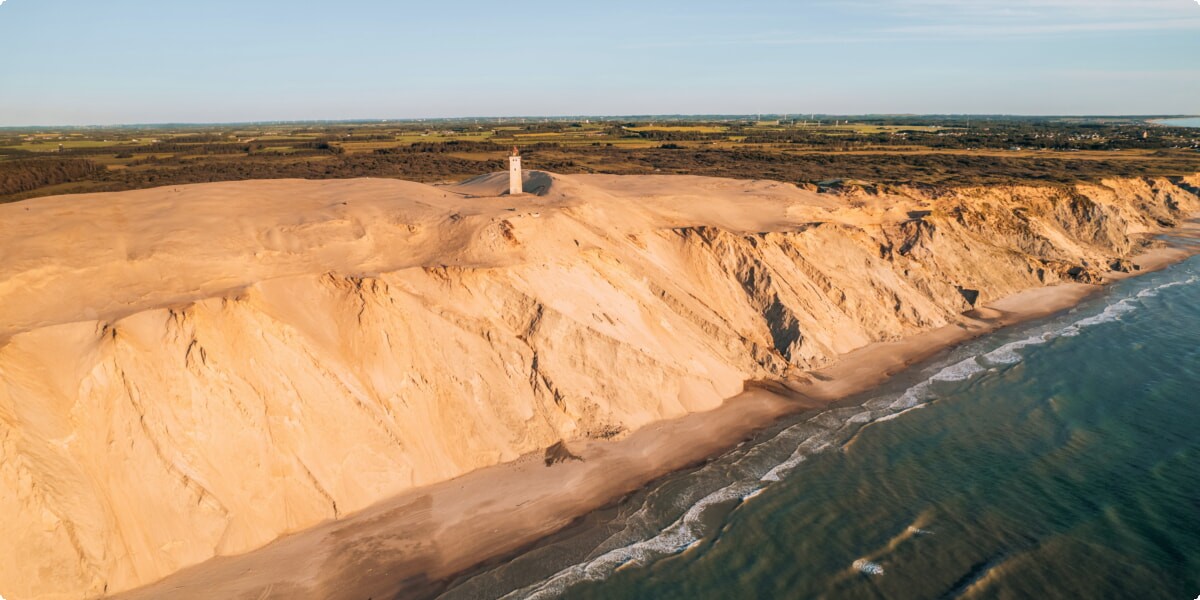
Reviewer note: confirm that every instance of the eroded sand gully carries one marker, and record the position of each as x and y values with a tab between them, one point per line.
196	371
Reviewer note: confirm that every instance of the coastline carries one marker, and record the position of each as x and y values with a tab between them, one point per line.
1174	122
413	543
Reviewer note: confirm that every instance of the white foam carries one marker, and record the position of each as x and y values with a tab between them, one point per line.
1007	354
1110	313
754	493
814	444
684	533
1152	292
878	403
867	567
831	423
861	417
911	397
781	469
897	415
960	371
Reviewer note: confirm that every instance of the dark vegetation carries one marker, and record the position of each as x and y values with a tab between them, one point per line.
931	150
907	168
18	176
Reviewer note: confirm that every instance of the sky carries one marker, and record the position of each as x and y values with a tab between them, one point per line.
90	62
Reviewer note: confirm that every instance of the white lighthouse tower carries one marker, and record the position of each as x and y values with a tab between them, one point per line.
515	184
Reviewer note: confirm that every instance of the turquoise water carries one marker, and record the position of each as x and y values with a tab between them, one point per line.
1060	459
1190	122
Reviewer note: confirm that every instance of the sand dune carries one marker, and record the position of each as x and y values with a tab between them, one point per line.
193	371
537	183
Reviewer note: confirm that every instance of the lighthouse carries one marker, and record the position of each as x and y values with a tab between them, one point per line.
515	185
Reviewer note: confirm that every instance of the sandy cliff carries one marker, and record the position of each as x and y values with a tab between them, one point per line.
194	371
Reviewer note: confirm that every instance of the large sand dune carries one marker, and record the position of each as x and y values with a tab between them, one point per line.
194	371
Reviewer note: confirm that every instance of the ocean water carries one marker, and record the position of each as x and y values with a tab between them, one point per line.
1190	122
1058	459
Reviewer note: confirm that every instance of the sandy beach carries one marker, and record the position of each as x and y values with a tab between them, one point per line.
411	546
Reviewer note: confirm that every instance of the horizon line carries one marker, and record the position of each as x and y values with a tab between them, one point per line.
563	117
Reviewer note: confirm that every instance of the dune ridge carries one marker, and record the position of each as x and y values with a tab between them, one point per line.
193	371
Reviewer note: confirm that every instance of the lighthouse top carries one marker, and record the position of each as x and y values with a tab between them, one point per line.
515	181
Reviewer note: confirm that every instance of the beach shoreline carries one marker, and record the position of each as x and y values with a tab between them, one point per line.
416	544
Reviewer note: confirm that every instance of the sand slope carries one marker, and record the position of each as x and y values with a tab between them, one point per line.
193	371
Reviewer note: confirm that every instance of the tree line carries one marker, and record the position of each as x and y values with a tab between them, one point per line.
24	175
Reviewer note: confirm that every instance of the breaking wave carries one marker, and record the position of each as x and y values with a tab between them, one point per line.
867	567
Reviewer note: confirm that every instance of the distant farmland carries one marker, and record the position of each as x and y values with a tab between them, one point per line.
873	150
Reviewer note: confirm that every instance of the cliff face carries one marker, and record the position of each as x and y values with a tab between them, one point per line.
194	371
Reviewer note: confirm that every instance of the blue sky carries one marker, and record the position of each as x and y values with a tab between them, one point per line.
149	61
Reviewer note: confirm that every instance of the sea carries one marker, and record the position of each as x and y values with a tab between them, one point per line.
1189	122
1055	459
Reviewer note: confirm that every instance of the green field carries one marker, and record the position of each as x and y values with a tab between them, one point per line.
69	144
